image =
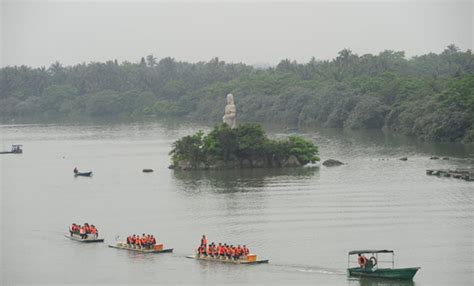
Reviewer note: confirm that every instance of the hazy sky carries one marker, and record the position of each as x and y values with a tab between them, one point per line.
37	33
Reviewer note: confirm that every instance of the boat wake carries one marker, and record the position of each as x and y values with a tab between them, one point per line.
309	269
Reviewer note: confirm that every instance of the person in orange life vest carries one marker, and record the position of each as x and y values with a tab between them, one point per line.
245	250
87	228
72	229
138	242
94	231
220	250
201	251
144	241
210	250
228	251
82	232
238	252
362	260
213	250
204	240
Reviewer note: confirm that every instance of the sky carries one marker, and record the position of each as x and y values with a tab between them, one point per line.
38	33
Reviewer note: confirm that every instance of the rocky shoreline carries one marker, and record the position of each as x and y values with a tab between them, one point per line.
289	162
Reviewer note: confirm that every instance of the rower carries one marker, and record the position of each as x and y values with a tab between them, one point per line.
82	232
76	170
245	250
93	231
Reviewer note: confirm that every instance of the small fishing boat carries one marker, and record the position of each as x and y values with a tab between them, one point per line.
88	238
16	149
158	248
372	270
249	259
147	170
83	174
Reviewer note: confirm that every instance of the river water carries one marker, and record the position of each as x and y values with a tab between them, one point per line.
303	220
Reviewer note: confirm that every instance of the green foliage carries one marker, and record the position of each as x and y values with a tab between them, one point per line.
246	142
429	96
304	150
189	148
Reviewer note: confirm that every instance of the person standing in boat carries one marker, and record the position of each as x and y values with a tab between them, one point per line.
204	241
362	260
76	170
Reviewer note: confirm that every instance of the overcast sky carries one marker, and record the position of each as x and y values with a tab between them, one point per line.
37	33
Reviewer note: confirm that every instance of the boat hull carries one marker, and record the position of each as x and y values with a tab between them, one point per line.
11	152
386	273
117	246
86	240
86	174
227	260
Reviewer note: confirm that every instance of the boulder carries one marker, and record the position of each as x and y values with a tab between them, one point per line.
332	163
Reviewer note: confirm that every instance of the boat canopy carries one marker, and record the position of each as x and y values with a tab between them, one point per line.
370	251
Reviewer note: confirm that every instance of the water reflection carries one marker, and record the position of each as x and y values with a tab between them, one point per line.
242	180
380	282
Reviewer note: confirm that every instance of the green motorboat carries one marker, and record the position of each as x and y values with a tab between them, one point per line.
369	267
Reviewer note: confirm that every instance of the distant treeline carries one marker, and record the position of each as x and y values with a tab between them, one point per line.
429	96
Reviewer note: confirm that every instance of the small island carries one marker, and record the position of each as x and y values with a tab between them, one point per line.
245	146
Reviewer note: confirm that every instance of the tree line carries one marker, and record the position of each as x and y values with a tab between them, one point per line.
429	96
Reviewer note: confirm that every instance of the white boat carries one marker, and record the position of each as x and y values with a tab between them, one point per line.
89	238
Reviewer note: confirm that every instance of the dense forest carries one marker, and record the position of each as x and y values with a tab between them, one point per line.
430	97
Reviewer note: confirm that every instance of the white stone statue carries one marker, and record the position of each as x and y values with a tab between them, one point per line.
230	111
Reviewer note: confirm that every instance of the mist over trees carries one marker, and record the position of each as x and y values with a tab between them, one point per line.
429	96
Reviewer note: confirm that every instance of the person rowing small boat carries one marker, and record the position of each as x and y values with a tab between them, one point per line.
86	233
83	174
224	252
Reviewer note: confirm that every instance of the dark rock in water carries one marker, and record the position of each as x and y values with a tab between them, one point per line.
403	159
147	170
332	163
445	158
434	158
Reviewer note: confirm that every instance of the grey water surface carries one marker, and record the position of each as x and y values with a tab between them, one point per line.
304	220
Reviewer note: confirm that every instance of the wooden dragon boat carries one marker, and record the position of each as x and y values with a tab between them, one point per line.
249	259
158	248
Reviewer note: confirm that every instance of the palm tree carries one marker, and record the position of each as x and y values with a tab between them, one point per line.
151	60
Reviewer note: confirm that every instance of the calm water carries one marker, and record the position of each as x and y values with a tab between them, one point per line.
303	220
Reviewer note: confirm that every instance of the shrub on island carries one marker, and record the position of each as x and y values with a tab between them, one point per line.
245	146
